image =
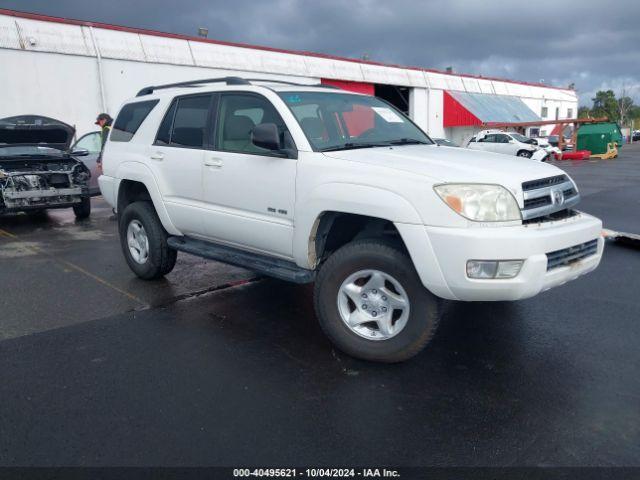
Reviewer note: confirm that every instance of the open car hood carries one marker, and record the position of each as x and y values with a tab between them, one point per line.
35	130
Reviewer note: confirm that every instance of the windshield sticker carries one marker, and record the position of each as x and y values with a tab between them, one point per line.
293	99
388	114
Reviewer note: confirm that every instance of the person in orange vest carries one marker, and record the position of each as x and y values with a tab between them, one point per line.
104	121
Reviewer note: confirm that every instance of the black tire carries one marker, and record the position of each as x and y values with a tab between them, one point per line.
161	259
424	311
83	209
524	154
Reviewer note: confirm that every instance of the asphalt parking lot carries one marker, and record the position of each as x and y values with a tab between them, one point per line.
214	366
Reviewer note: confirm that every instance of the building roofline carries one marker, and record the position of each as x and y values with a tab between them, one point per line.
157	33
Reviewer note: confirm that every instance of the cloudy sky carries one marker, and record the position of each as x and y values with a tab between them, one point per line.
594	44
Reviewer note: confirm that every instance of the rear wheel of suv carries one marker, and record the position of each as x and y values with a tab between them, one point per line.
372	305
83	209
144	241
524	153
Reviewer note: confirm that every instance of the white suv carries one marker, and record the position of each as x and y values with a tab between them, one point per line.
508	143
312	184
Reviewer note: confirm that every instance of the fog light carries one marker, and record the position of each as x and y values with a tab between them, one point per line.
509	269
490	269
481	269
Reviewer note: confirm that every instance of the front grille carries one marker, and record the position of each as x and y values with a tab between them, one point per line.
552	217
544	182
546	196
567	256
537	202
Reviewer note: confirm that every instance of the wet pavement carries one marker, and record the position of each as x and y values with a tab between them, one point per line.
214	367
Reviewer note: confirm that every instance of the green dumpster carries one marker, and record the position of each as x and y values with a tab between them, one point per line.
595	136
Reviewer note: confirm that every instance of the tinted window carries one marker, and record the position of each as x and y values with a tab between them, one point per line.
190	121
502	139
164	132
489	139
238	115
129	120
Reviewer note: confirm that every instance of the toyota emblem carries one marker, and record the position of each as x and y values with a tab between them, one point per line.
558	197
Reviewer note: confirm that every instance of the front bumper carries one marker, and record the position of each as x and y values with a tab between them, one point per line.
15	201
454	246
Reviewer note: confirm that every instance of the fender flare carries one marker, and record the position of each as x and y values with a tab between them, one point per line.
139	172
343	197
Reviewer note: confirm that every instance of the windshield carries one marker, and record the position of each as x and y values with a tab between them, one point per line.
28	150
339	121
520	138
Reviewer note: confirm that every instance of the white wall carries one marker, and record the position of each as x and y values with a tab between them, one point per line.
419	107
66	87
436	109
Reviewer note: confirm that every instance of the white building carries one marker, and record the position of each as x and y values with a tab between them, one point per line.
72	70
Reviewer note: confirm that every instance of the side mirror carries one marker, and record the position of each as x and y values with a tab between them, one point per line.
265	135
79	152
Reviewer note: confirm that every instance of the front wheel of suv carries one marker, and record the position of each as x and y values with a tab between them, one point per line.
144	242
372	305
525	153
83	209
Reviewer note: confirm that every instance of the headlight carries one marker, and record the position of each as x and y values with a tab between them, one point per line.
481	203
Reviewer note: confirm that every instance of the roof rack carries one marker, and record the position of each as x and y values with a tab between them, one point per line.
190	83
229	81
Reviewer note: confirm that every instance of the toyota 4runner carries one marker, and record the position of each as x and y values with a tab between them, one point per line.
313	184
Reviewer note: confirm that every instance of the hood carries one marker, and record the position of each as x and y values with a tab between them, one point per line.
452	165
36	130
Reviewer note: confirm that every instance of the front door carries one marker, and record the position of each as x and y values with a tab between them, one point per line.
176	159
249	191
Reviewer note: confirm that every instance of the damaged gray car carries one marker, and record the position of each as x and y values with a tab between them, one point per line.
37	171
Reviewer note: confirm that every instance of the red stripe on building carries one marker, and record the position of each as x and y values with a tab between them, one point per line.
456	115
356	87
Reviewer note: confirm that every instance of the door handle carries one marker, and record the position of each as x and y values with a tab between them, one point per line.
157	156
214	162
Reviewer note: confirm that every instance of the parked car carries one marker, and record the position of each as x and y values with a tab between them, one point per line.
443	142
544	144
508	143
37	170
92	144
554	139
636	136
309	184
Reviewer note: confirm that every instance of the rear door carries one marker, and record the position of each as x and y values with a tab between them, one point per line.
176	159
249	191
502	144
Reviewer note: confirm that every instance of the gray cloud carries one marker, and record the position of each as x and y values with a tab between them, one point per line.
584	42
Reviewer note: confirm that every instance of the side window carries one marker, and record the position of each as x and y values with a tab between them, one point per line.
164	132
190	121
238	114
502	138
129	120
92	142
490	139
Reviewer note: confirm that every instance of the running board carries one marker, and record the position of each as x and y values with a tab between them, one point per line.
270	266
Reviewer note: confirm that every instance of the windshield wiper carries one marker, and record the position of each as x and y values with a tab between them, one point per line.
408	141
353	146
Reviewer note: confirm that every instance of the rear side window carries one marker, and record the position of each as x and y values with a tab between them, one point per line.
185	123
129	120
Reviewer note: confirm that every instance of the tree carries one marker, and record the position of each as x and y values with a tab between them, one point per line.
584	112
625	106
605	105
